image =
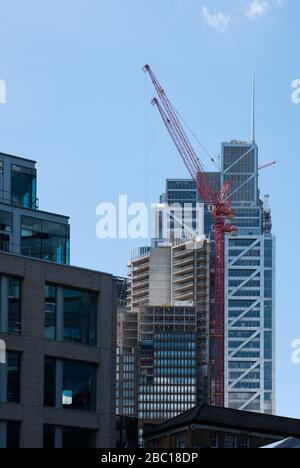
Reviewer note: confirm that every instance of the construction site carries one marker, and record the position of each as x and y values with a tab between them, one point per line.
203	303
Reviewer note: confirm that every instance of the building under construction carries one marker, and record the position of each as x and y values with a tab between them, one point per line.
205	306
169	296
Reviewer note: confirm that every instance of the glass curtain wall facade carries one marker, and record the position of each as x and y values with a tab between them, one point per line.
250	303
23	187
168	362
45	240
24	230
249	289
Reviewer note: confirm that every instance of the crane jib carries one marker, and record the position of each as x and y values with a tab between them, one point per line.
219	206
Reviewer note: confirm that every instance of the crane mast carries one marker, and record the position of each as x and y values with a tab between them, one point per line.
219	206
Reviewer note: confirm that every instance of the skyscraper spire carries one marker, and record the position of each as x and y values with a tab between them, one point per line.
253	109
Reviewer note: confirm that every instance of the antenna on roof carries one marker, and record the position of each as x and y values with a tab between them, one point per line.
253	109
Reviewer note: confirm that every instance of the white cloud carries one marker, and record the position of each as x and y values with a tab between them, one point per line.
221	19
257	8
217	19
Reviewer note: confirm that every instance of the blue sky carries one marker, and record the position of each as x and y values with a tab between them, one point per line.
78	103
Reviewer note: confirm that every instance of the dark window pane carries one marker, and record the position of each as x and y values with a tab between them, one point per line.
6	221
78	438
5	230
54	248
23	187
13	377
79	386
49	382
45	240
80	317
31	241
4	242
13	435
14	305
49	437
50	312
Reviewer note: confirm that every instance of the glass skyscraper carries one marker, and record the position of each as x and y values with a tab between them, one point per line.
249	287
249	280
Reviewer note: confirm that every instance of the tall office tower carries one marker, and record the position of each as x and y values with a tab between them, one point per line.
249	280
57	328
249	287
169	292
24	229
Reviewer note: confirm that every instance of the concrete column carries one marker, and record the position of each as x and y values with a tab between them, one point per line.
160	276
32	395
107	373
32	427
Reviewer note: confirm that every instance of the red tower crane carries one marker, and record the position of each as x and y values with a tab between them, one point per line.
219	206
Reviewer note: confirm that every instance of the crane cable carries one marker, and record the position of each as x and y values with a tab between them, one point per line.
197	139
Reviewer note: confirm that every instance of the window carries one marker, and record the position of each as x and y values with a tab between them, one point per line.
77	311
49	437
268	374
269	254
49	382
79	386
268	283
80	317
245	443
12	435
268	346
46	240
23	187
13	377
157	443
4	242
180	442
50	312
229	441
14	305
6	223
68	437
73	438
214	440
